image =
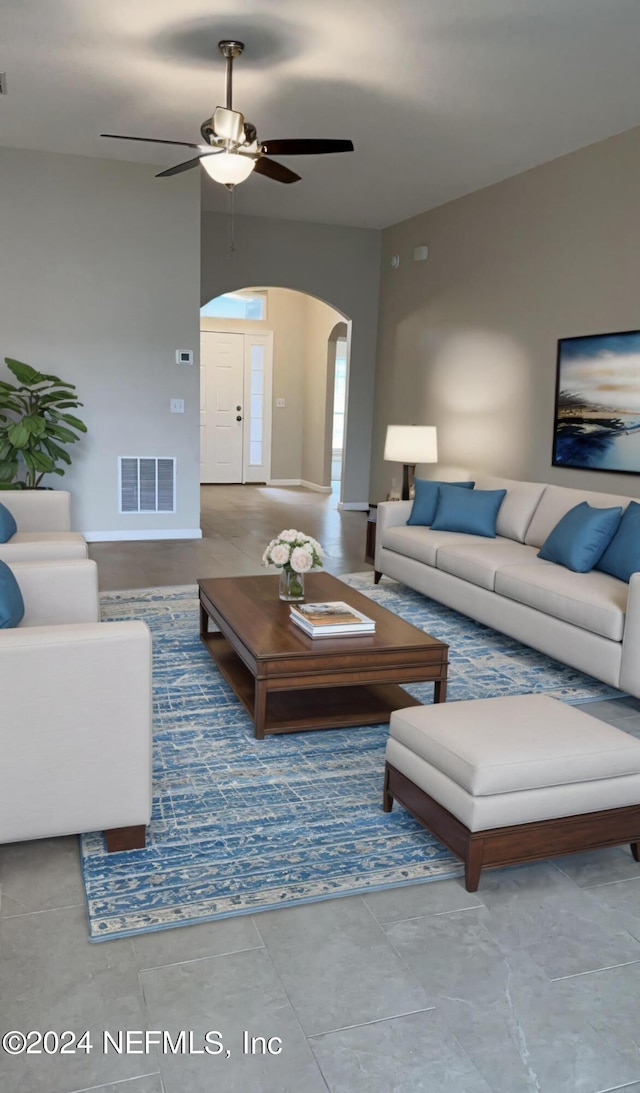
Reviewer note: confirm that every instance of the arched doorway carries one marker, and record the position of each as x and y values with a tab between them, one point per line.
284	343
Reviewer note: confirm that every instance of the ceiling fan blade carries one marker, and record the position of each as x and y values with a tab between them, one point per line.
180	167
277	171
151	140
305	147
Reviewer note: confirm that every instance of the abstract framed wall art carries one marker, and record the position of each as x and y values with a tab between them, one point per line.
597	413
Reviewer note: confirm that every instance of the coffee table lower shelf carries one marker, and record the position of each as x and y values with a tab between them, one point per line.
337	705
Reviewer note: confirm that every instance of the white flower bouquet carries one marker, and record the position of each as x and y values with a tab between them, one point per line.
295	554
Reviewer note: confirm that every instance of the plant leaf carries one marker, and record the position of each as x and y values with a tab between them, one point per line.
8	470
62	433
59	382
18	434
41	461
55	451
36	426
59	399
24	373
14	405
74	421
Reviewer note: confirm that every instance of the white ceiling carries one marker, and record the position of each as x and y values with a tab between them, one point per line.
440	97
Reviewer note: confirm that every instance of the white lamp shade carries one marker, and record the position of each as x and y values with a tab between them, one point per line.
411	444
229	168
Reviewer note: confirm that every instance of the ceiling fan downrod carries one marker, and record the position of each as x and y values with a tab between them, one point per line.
230	49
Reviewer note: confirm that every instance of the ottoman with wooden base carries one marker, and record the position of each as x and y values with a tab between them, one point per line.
514	779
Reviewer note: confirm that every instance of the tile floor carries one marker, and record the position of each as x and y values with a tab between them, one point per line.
532	984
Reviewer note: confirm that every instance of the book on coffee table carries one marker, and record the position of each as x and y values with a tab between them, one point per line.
331	619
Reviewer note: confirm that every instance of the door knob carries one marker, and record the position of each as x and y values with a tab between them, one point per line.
238	418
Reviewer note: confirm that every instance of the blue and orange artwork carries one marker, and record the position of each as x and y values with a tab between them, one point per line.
597	424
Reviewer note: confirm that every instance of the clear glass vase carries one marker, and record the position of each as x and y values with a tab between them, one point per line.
291	584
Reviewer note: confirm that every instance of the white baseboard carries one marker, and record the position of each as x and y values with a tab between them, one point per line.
355	506
126	534
315	486
299	482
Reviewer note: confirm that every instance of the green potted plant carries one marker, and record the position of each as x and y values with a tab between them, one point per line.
34	426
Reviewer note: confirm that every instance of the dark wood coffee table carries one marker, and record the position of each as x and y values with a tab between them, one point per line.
289	682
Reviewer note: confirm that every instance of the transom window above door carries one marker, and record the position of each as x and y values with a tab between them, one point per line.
236	305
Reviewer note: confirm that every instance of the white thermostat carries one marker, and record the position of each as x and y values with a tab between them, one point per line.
184	356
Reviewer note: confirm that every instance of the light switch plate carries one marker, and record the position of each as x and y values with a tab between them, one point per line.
184	356
280	403
177	405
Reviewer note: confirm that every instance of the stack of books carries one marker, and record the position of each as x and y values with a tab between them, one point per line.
331	619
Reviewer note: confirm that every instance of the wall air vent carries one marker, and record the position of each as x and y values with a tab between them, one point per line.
147	483
3	83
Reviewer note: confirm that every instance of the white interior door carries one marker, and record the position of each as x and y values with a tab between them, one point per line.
235	406
221	407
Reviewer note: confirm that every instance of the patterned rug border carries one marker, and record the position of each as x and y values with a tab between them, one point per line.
194	860
97	939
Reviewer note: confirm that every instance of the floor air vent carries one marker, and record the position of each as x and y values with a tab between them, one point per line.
147	484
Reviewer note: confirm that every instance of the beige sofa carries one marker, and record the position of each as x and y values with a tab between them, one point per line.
588	620
75	732
44	527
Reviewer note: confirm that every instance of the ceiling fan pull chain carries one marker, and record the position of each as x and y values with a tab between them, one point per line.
231	245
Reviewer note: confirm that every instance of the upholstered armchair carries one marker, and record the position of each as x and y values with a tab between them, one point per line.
75	731
43	519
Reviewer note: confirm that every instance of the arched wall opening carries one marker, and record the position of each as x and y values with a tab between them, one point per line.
282	433
330	262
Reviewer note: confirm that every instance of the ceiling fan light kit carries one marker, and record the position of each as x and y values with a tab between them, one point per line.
232	150
228	168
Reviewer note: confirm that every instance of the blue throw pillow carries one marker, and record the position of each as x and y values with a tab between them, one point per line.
8	526
426	499
472	511
622	557
11	602
581	537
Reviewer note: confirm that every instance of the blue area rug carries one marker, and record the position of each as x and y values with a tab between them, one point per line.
242	825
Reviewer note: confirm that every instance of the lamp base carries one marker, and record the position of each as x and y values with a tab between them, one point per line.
408	479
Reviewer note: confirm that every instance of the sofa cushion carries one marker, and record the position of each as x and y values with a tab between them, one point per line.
556	502
43	546
594	601
423	544
622	556
427	493
515	743
11	602
478	561
518	507
581	537
472	511
8	526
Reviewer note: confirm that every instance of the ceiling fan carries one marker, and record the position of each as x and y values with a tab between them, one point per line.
232	150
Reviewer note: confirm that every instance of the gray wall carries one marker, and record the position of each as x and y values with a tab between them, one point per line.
99	284
338	265
467	339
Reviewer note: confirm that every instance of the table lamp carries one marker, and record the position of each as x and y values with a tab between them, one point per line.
410	444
